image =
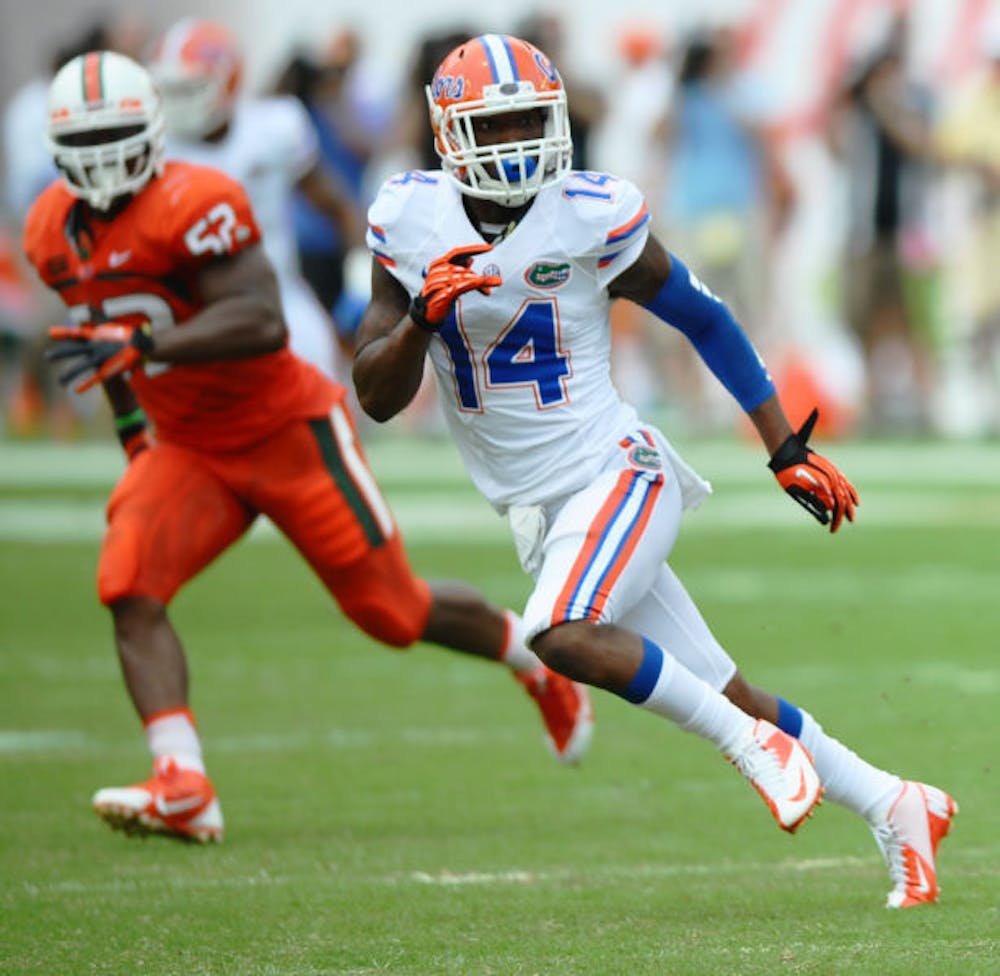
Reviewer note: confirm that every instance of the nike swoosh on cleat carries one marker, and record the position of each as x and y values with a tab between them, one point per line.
167	808
924	886
801	795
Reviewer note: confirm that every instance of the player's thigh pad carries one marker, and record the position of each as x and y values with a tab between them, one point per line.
605	547
168	517
316	486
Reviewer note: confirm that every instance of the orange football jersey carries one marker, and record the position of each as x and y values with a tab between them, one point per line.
144	264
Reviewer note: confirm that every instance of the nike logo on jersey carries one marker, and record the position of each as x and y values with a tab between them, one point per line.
117	258
168	808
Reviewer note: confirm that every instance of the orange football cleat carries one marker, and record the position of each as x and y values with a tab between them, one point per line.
566	711
918	820
174	801
781	770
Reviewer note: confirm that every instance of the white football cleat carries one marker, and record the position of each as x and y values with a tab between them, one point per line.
566	712
781	770
916	822
176	802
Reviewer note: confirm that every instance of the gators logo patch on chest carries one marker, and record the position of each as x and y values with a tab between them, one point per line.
547	274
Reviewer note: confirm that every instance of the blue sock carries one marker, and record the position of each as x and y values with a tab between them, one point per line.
642	685
789	718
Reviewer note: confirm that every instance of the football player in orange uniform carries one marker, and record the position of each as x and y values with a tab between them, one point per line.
175	309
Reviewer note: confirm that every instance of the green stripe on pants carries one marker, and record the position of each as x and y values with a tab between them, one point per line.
334	463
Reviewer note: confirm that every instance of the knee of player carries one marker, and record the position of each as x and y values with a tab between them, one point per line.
566	648
386	625
136	616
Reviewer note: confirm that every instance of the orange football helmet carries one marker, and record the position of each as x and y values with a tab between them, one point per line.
490	75
198	67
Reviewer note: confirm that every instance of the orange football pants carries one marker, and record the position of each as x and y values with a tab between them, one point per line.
176	509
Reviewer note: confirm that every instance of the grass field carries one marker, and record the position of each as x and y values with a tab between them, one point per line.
398	814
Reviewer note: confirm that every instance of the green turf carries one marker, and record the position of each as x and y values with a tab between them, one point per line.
397	813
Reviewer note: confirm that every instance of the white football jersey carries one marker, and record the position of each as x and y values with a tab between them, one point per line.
524	373
269	147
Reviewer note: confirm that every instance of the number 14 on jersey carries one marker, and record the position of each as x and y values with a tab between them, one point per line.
526	353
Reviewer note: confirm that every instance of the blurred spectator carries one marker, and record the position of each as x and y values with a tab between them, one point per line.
627	141
881	132
726	196
967	136
267	144
586	101
350	131
413	144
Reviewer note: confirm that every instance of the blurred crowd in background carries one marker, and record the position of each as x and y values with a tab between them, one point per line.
855	240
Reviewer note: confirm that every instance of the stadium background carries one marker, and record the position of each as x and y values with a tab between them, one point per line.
389	28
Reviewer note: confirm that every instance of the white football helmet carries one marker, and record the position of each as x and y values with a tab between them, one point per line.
491	75
105	127
198	67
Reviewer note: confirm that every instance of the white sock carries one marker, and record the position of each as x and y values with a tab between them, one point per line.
515	653
847	778
172	733
695	705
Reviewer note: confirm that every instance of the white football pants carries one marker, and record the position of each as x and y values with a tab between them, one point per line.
602	557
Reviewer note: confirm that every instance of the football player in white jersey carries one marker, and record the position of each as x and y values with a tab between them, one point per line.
267	144
503	265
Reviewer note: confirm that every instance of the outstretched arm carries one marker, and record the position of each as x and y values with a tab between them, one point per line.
664	286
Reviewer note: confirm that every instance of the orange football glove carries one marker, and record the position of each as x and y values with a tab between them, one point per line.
813	481
448	277
108	349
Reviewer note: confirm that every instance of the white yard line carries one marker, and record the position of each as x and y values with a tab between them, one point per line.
445	878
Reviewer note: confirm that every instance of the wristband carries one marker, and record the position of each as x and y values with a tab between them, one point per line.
794	448
136	417
142	339
418	315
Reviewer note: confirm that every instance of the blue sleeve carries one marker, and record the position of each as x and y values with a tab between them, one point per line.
689	306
